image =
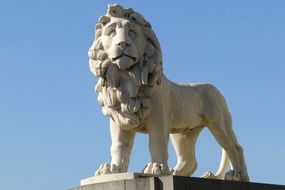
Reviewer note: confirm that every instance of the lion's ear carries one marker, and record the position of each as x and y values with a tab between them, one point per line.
103	20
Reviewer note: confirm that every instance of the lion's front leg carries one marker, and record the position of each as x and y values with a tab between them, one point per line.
158	147
122	143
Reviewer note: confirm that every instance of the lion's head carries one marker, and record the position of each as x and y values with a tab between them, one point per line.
126	56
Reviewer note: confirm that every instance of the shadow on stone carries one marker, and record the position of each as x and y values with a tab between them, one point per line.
158	185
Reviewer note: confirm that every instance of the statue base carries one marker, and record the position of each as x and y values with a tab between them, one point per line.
137	181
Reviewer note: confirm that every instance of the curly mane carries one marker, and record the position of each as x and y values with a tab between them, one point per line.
124	94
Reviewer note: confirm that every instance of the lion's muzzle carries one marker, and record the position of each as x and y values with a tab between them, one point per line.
124	61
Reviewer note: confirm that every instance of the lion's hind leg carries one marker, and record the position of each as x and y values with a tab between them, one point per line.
223	168
226	137
184	146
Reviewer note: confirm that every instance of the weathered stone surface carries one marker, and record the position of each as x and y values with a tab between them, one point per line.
134	92
109	178
135	181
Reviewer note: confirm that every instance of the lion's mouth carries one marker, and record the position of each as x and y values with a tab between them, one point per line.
122	55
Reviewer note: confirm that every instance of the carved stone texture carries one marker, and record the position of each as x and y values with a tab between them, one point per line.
137	96
136	181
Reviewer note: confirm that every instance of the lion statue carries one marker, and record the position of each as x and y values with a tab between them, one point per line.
137	96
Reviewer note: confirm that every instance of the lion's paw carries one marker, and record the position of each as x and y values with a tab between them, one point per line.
208	175
232	175
156	169
107	169
173	171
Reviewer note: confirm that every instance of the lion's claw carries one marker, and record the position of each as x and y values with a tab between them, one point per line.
208	175
156	169
232	175
103	169
107	169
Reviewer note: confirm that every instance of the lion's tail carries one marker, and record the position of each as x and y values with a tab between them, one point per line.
224	164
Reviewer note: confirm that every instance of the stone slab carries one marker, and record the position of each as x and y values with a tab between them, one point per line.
137	181
108	178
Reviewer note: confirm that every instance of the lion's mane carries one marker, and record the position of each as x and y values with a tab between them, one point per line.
125	94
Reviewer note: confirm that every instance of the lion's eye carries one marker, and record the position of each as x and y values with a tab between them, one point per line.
132	33
111	32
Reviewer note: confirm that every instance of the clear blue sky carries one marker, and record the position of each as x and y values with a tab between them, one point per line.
52	131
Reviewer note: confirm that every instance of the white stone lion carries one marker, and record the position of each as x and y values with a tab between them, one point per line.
137	96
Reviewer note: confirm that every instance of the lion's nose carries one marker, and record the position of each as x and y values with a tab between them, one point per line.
123	44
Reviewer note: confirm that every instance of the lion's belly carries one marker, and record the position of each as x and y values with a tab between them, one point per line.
182	120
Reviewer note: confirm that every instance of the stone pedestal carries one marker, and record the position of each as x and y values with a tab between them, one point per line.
136	181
